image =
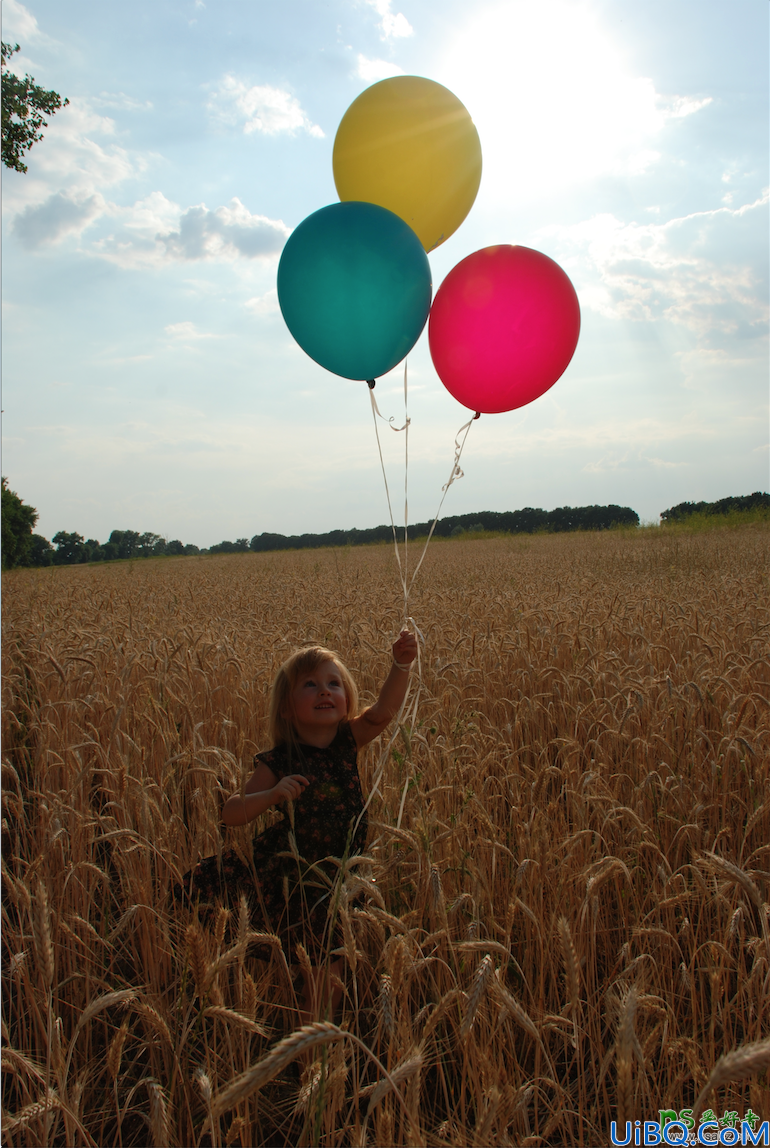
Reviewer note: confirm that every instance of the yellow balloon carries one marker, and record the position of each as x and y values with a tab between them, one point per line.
409	145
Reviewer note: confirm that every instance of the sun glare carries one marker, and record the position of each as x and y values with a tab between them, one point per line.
553	97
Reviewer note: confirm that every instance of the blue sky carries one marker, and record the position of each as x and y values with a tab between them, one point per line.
149	381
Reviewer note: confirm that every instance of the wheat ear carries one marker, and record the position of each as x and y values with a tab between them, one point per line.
159	1117
321	1032
736	1065
623	1049
41	933
480	980
571	966
236	1017
32	1112
408	1067
386	1003
115	1051
198	957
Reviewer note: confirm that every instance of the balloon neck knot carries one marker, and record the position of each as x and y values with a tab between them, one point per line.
477	415
370	384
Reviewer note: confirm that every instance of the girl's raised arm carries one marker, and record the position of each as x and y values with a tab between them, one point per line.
262	791
372	721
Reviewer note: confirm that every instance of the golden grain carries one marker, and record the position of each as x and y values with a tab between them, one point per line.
589	744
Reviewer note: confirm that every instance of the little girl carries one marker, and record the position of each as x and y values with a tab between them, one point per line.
312	769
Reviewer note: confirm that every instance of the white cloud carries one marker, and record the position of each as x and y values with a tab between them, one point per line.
225	233
706	368
628	460
372	70
187	332
56	217
266	304
392	26
262	108
689	270
20	24
72	157
152	231
677	107
121	101
150	215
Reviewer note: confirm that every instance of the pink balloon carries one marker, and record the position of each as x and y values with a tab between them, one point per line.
503	327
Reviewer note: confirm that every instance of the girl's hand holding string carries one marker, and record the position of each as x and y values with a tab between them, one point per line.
261	795
290	787
404	650
373	720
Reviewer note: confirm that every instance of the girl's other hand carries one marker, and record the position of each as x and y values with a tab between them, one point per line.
290	787
405	648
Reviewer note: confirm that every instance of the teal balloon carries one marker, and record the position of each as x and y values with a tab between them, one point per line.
354	285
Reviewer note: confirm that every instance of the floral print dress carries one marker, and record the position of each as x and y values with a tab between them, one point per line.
291	889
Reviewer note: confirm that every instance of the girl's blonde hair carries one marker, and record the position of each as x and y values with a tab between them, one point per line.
303	661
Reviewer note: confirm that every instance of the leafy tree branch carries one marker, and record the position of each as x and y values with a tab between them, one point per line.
25	103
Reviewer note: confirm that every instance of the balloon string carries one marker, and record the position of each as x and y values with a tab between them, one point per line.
406	502
375	413
379	414
454	474
406	719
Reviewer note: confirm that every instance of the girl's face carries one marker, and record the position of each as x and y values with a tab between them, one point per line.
318	701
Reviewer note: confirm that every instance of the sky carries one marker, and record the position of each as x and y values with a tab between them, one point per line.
149	381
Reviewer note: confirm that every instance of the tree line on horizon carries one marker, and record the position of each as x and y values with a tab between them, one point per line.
22	547
684	510
530	520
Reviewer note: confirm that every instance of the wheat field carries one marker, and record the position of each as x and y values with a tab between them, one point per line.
562	917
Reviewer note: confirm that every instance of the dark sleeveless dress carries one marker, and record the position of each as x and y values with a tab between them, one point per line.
292	895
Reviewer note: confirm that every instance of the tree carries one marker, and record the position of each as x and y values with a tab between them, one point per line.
127	542
41	552
150	544
17	522
70	548
24	105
